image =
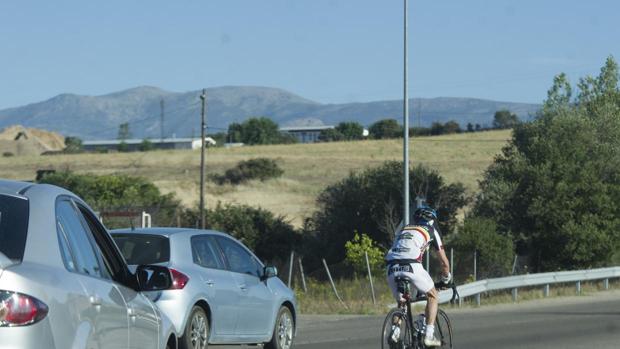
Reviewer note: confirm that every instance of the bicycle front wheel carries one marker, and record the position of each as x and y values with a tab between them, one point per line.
400	340
443	329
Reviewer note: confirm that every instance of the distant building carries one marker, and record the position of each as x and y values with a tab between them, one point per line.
134	144
305	134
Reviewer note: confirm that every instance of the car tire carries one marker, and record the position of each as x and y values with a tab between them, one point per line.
283	332
196	333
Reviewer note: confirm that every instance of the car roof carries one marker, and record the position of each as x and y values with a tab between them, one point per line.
13	187
167	232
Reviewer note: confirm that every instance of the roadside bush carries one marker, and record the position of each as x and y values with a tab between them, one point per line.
117	193
356	251
259	168
271	237
7	154
495	252
371	201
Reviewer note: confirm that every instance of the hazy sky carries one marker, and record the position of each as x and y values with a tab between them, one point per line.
330	51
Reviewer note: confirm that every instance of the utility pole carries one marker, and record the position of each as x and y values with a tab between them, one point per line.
161	125
405	126
203	126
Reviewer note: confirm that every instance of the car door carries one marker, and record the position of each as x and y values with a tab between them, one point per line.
219	284
256	306
144	322
107	314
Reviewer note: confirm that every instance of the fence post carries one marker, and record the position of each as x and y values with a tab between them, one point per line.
329	275
478	299
303	277
475	265
606	284
372	287
452	262
514	264
546	291
290	269
515	294
578	287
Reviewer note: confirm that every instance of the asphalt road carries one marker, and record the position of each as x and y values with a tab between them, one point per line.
573	322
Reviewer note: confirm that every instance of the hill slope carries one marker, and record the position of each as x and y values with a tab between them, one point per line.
308	168
98	117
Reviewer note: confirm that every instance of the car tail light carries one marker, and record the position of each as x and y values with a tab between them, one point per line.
179	280
18	309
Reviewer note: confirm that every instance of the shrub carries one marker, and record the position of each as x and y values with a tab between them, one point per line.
7	154
494	251
271	238
259	168
146	145
117	193
356	251
371	201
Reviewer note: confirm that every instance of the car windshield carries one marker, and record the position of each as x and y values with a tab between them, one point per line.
13	226
143	249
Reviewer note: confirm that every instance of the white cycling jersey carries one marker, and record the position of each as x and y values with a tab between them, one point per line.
412	241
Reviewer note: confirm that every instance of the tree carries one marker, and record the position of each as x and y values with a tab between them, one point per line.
371	202
451	127
494	250
386	128
146	145
350	130
331	135
260	131
470	127
123	132
504	119
556	186
437	128
73	145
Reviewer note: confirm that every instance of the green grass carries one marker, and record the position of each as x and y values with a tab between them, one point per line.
309	168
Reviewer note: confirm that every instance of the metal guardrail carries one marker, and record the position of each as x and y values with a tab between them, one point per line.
543	279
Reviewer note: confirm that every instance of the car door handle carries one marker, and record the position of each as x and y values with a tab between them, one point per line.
210	283
131	312
95	301
243	288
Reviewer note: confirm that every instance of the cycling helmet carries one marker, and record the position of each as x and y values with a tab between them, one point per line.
424	214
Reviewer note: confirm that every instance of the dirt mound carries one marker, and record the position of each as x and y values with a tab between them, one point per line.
18	140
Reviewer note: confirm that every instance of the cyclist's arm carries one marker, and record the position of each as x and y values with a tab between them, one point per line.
443	261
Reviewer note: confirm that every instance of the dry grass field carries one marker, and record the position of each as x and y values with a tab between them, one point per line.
308	167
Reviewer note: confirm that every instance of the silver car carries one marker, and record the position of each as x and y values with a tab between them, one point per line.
63	282
221	293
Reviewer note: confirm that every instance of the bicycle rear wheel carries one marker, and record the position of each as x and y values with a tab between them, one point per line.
443	329
397	317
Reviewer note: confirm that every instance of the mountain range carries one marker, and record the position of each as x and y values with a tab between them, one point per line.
99	117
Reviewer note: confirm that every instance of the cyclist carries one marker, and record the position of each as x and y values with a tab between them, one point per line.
404	259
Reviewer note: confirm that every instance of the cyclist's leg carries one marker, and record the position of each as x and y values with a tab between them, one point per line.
424	283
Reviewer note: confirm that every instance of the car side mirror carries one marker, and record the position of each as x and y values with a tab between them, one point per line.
269	272
153	278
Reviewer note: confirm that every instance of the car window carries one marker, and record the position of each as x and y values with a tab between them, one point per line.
205	253
143	248
14	214
104	245
70	226
239	260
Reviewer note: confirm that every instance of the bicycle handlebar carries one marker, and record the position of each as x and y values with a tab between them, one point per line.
447	286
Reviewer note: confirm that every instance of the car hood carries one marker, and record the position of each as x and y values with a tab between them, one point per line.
5	262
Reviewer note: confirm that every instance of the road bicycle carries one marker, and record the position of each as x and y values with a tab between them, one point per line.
412	327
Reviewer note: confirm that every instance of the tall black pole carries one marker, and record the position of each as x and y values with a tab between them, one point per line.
203	126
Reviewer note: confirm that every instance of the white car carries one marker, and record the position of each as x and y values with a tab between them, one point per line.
63	282
221	292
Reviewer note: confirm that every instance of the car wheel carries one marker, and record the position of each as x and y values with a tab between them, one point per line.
196	334
283	331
